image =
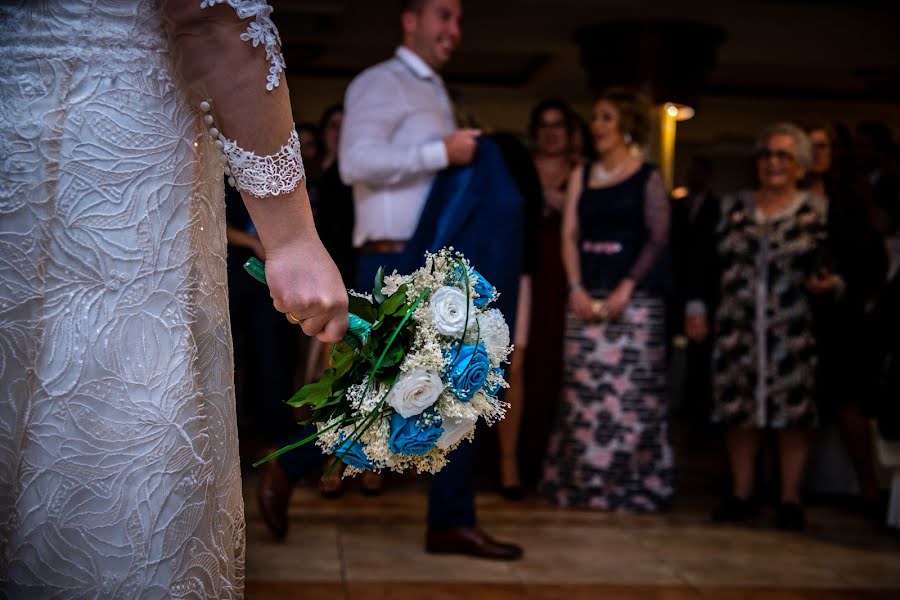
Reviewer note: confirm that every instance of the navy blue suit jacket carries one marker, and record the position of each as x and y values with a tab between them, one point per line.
477	209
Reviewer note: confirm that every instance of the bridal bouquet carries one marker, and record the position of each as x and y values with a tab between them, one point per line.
420	364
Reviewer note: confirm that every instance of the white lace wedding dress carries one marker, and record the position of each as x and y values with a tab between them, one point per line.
119	471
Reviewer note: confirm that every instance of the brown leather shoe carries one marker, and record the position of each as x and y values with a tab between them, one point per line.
332	485
470	541
371	483
274	494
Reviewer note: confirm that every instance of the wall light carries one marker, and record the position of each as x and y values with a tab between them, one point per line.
679	112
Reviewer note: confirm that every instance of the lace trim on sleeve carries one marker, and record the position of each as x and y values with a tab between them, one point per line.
261	31
259	176
262	176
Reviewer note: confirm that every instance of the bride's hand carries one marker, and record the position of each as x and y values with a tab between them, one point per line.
304	281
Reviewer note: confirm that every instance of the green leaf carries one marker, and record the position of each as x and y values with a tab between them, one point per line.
387	376
392	305
379	283
342	363
393	357
363	308
312	394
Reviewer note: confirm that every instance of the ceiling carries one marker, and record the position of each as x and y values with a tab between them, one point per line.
833	50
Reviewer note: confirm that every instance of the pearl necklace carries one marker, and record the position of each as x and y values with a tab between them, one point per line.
602	175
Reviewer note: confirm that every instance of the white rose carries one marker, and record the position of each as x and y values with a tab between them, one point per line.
494	331
448	311
415	391
455	429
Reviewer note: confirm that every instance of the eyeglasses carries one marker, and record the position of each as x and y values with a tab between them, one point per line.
781	155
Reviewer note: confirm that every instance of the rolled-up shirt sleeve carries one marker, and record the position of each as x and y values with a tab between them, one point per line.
374	108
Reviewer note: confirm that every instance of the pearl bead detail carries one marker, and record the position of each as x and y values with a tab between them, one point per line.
216	135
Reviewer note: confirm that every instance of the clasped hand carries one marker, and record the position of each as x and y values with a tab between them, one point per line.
304	282
610	309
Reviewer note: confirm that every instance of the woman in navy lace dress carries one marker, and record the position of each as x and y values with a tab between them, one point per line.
610	448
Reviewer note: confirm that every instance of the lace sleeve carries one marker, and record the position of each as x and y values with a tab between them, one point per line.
251	124
261	31
657	217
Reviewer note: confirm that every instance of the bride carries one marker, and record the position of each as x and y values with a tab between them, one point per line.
119	473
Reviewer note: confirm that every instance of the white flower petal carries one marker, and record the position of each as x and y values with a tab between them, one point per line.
455	429
449	309
494	332
414	392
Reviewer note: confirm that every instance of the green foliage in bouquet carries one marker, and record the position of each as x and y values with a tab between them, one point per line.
373	348
415	371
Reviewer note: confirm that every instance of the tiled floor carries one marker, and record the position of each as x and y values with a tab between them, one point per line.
361	548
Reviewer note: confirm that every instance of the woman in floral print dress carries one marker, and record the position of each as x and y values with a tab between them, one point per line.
768	251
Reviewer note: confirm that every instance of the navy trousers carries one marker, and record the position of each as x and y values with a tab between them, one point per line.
451	497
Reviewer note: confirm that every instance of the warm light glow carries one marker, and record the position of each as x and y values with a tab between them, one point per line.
679	112
667	143
680	192
669	114
684	113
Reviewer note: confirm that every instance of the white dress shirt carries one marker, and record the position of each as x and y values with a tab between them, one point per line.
396	115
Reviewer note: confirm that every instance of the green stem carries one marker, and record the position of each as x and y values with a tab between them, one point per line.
299	443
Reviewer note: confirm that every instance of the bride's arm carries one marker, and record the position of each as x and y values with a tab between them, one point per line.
230	60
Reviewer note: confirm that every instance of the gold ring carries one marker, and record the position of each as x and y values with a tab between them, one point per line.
290	317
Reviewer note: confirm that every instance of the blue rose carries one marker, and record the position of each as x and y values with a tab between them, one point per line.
355	453
415	435
482	287
469	369
494	387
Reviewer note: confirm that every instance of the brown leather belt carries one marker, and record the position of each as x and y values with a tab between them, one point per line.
382	247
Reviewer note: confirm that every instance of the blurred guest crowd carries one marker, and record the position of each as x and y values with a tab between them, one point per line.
781	300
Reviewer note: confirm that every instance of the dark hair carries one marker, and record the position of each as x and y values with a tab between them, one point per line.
635	113
588	151
329	112
412	5
311	127
534	122
879	133
829	130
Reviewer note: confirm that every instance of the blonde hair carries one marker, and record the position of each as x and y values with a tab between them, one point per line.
635	113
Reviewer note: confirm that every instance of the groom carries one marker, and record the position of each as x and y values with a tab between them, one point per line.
398	133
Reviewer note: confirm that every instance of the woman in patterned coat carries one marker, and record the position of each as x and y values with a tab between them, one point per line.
767	250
